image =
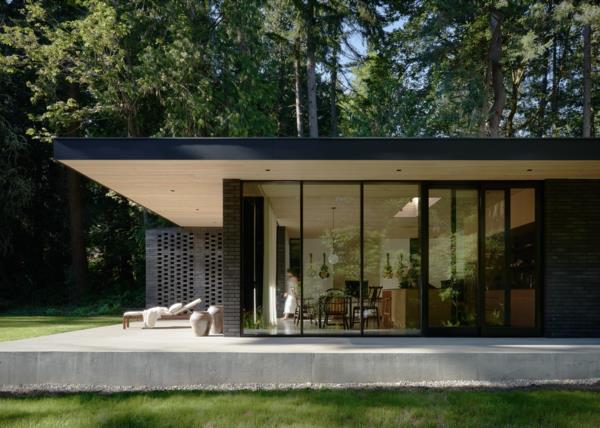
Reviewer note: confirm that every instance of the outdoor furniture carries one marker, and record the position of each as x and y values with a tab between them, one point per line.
201	322
175	312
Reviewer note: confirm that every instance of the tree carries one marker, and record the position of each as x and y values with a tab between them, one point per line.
308	11
587	80
497	77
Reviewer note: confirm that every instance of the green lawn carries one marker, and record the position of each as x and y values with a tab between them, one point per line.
306	408
22	327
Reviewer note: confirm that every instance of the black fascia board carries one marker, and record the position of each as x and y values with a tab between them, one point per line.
327	148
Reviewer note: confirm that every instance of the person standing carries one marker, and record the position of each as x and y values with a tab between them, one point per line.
290	295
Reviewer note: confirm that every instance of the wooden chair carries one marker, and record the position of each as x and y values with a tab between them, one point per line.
370	307
308	312
335	304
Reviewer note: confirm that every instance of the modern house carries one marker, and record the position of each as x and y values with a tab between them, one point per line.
367	236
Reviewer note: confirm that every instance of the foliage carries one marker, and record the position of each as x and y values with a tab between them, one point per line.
24	327
321	408
226	68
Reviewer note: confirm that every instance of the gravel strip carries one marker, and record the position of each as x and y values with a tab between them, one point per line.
58	389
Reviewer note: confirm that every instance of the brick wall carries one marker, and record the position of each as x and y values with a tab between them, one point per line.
182	265
572	258
231	255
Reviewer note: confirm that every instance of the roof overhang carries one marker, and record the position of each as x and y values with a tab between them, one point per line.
181	178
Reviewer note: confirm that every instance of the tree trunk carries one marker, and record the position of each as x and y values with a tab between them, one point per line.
587	81
333	93
555	84
495	56
485	101
541	114
78	254
313	126
79	265
297	91
516	79
281	110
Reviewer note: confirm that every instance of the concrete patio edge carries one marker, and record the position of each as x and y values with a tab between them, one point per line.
172	369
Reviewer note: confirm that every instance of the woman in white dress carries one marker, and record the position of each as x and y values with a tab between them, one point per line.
290	295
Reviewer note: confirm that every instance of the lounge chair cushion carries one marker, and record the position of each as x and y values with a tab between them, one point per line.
133	314
188	306
174	308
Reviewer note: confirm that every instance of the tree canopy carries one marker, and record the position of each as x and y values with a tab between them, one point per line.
255	68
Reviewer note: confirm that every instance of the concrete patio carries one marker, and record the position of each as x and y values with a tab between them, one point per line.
171	356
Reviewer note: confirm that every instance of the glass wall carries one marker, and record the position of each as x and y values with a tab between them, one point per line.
522	262
495	258
331	257
392	257
344	258
270	267
453	255
510	257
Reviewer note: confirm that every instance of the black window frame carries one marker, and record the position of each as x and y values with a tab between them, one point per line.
480	330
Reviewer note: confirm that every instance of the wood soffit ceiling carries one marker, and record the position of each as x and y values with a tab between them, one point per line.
189	192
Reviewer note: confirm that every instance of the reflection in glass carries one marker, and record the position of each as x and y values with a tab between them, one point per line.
331	256
522	257
495	258
391	304
270	273
453	258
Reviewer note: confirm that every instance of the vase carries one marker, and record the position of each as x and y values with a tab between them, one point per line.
217	319
201	322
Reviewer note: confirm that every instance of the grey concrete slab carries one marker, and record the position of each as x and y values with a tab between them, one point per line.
172	356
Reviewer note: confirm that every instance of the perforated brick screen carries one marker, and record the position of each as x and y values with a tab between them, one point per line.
182	266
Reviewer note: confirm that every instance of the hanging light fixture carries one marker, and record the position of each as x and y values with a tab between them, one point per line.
333	257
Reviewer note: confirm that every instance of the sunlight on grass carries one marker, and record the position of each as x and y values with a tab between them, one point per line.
22	327
323	408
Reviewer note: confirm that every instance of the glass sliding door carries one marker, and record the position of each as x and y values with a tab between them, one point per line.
270	271
510	248
522	250
495	277
392	257
453	258
373	258
331	249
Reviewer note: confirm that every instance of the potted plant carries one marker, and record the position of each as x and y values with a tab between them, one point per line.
402	272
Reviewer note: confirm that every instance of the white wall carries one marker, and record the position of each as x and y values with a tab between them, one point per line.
269	303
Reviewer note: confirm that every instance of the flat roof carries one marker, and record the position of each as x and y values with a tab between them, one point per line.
181	178
274	148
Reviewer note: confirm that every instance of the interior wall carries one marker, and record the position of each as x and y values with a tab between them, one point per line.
269	304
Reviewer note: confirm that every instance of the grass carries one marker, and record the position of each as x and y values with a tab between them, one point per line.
307	408
22	327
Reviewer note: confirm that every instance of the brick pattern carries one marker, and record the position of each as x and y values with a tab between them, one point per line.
183	265
232	211
572	258
209	265
151	271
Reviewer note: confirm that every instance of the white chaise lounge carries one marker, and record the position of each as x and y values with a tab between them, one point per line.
176	311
